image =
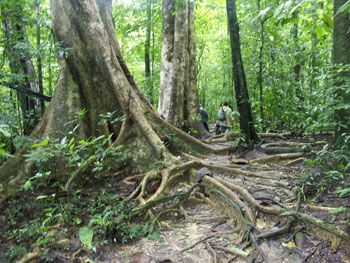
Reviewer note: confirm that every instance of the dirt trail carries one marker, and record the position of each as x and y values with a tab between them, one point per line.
203	232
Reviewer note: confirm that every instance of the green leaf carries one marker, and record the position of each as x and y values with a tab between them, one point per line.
287	213
27	185
343	191
86	234
41	144
4	132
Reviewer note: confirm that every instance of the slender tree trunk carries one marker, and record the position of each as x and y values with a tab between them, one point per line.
39	56
50	74
341	55
261	66
149	86
178	100
191	94
314	42
297	65
239	79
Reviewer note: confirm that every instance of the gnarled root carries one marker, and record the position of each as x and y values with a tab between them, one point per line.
279	211
295	144
279	157
30	256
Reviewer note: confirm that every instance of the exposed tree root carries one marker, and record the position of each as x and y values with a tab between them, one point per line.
278	211
274	135
315	208
227	192
295	144
317	222
275	232
279	157
132	177
285	150
235	171
30	256
250	199
295	162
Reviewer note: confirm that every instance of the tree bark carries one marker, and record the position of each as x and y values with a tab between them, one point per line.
39	56
191	94
148	77
341	55
178	100
239	79
261	67
297	63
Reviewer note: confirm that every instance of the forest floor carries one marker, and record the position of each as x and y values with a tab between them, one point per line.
201	232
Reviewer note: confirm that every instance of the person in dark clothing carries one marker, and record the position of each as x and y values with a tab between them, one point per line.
205	117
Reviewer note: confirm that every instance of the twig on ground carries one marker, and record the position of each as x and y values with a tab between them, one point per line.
205	239
233	251
276	232
223	221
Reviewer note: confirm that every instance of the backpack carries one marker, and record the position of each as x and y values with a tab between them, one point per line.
221	115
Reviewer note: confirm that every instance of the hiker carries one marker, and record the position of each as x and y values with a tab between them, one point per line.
225	117
205	117
217	128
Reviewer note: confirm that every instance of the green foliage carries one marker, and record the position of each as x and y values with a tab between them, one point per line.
16	252
95	218
329	171
85	235
77	155
113	216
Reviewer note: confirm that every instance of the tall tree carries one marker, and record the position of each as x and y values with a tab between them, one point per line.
239	78
297	63
341	56
39	54
20	62
178	100
262	20
95	77
148	77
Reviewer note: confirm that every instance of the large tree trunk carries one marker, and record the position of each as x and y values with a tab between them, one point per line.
20	62
239	79
178	100
94	77
341	55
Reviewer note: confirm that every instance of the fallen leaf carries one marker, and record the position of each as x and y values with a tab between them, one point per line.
335	243
240	161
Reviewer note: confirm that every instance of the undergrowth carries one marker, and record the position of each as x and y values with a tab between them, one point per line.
96	217
90	211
